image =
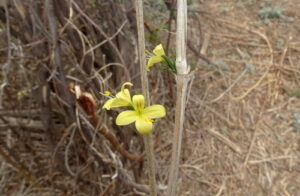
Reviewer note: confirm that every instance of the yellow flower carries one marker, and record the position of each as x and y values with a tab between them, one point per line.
140	115
122	98
157	57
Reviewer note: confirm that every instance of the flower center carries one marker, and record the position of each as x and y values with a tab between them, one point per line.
139	107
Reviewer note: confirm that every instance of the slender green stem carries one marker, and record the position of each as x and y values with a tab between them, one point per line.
148	141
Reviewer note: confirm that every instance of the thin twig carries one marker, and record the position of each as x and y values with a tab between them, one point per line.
171	17
225	140
24	172
230	87
5	67
113	45
21	122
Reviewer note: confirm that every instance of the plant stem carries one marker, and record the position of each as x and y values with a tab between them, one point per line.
182	81
141	48
148	141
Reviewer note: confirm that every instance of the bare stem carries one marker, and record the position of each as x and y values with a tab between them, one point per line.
182	81
148	141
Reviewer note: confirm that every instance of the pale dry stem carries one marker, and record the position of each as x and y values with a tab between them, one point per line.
182	81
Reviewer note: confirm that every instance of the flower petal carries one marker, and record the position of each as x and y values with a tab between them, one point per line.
159	50
143	125
119	103
108	104
126	84
154	111
124	96
152	60
127	117
138	102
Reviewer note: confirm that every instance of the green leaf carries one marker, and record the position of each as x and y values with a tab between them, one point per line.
170	64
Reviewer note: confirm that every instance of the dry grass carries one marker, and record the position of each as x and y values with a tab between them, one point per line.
239	137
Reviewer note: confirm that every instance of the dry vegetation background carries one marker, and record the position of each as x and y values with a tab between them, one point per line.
242	129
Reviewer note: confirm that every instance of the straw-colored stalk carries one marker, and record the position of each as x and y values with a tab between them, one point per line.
182	81
148	141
